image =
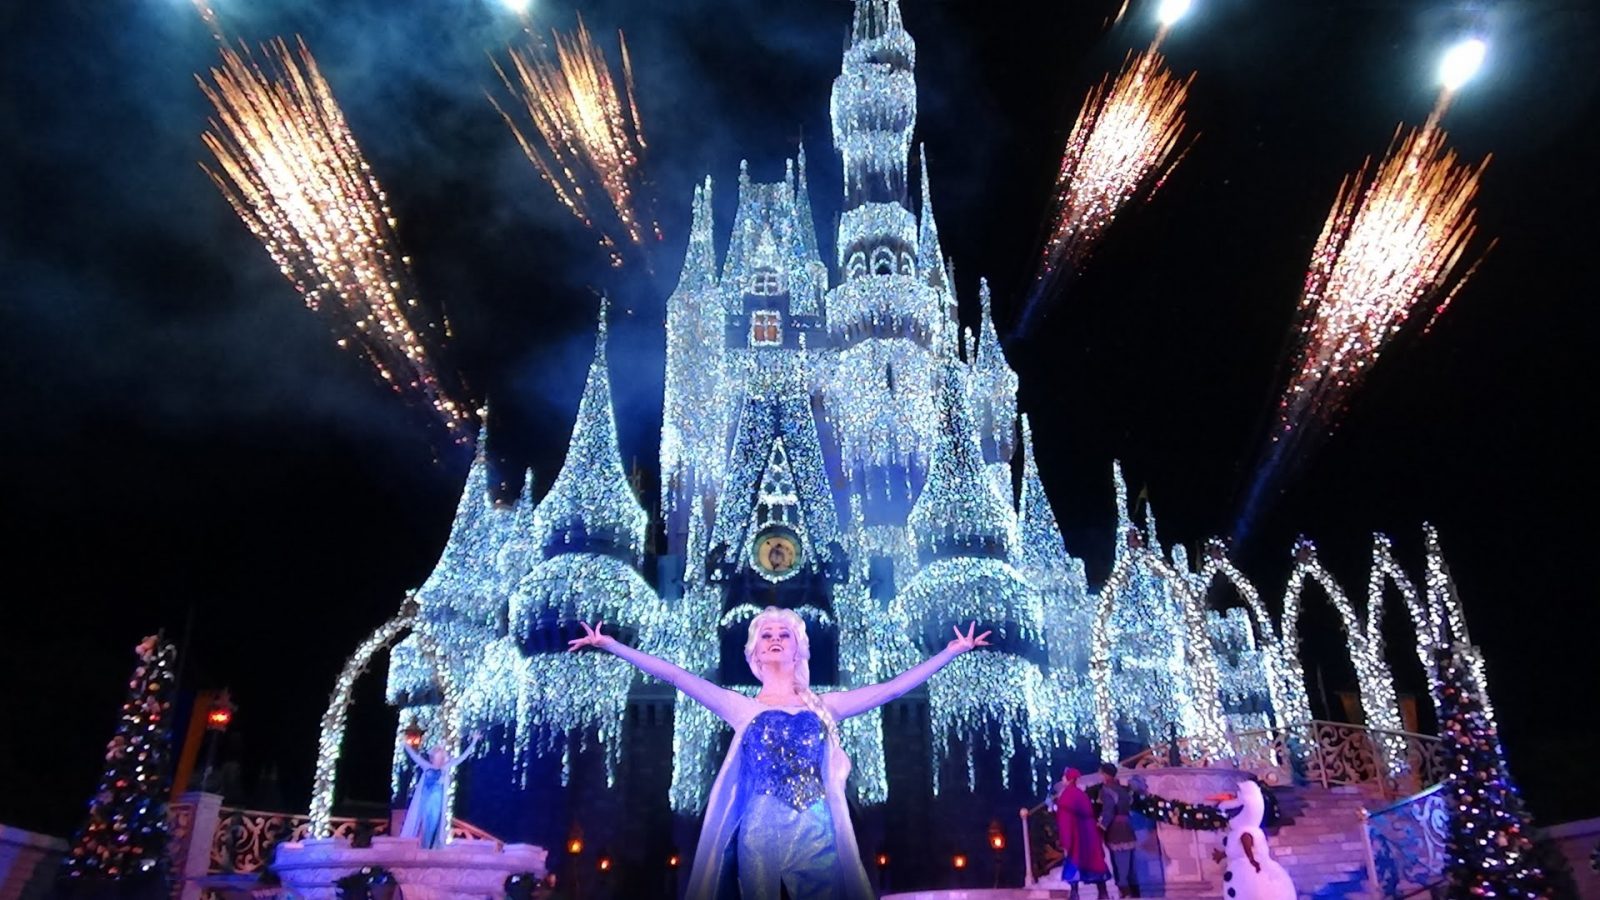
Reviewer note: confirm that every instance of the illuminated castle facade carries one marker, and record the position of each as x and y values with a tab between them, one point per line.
835	443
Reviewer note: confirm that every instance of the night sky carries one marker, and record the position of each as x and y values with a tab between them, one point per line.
185	448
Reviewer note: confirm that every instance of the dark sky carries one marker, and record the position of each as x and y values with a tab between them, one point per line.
183	443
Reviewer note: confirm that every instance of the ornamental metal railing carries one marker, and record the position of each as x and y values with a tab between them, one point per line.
1326	753
244	840
1405	844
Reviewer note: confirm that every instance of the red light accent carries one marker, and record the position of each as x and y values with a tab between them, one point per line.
959	860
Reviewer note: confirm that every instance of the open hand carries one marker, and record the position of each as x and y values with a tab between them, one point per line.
965	642
591	637
1217	855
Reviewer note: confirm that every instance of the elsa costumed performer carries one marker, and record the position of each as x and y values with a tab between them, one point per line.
776	820
426	814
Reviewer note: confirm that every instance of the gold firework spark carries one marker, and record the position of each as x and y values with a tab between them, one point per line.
586	138
1390	253
291	169
209	16
1121	149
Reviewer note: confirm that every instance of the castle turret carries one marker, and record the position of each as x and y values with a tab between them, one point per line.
966	537
694	421
591	506
874	105
931	264
884	319
994	386
590	531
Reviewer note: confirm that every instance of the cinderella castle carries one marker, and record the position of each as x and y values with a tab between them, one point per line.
833	442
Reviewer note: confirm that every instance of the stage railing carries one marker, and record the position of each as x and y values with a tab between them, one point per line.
1325	753
242	841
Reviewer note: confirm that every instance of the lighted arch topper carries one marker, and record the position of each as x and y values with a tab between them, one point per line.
777	553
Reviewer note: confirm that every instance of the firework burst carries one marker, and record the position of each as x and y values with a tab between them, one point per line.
1393	253
1390	254
289	166
586	138
1121	150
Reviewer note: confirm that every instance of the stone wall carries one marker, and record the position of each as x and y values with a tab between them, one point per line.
28	863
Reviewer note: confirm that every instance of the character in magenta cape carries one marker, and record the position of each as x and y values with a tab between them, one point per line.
1080	836
776	821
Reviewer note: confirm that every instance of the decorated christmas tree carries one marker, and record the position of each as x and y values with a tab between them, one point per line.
121	847
1489	848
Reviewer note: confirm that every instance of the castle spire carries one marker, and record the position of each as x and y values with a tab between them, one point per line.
591	506
700	260
1044	552
874	105
1119	487
805	226
994	388
875	19
959	511
930	257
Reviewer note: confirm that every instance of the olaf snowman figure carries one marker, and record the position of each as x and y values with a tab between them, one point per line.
1250	872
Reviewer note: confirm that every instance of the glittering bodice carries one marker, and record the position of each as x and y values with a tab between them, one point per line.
782	756
430	777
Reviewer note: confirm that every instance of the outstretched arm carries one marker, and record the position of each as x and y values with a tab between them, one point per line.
717	699
471	746
854	702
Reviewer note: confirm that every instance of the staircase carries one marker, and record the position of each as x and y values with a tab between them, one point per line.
1318	839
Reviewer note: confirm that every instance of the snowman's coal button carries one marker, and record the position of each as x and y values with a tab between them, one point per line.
1228	875
1231	892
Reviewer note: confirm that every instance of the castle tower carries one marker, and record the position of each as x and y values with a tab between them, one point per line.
966	539
885	320
774	537
694	421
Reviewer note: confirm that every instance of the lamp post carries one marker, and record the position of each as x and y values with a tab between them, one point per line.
218	718
997	844
883	870
574	849
414	734
958	863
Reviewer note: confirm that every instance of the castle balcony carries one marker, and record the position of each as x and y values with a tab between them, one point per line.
883	307
873	97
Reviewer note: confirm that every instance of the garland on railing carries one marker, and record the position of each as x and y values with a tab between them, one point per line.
1193	816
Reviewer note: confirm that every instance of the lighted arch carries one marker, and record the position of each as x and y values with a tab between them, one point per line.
1290	706
1373	677
331	739
1427	618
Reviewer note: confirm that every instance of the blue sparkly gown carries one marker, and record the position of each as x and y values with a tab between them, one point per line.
426	815
785	831
776	816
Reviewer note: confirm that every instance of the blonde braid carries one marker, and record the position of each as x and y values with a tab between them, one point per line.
815	704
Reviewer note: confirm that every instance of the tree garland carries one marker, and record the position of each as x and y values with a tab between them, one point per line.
1192	816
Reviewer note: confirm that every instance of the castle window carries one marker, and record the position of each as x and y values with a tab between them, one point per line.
766	328
764	283
857	265
883	261
908	266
